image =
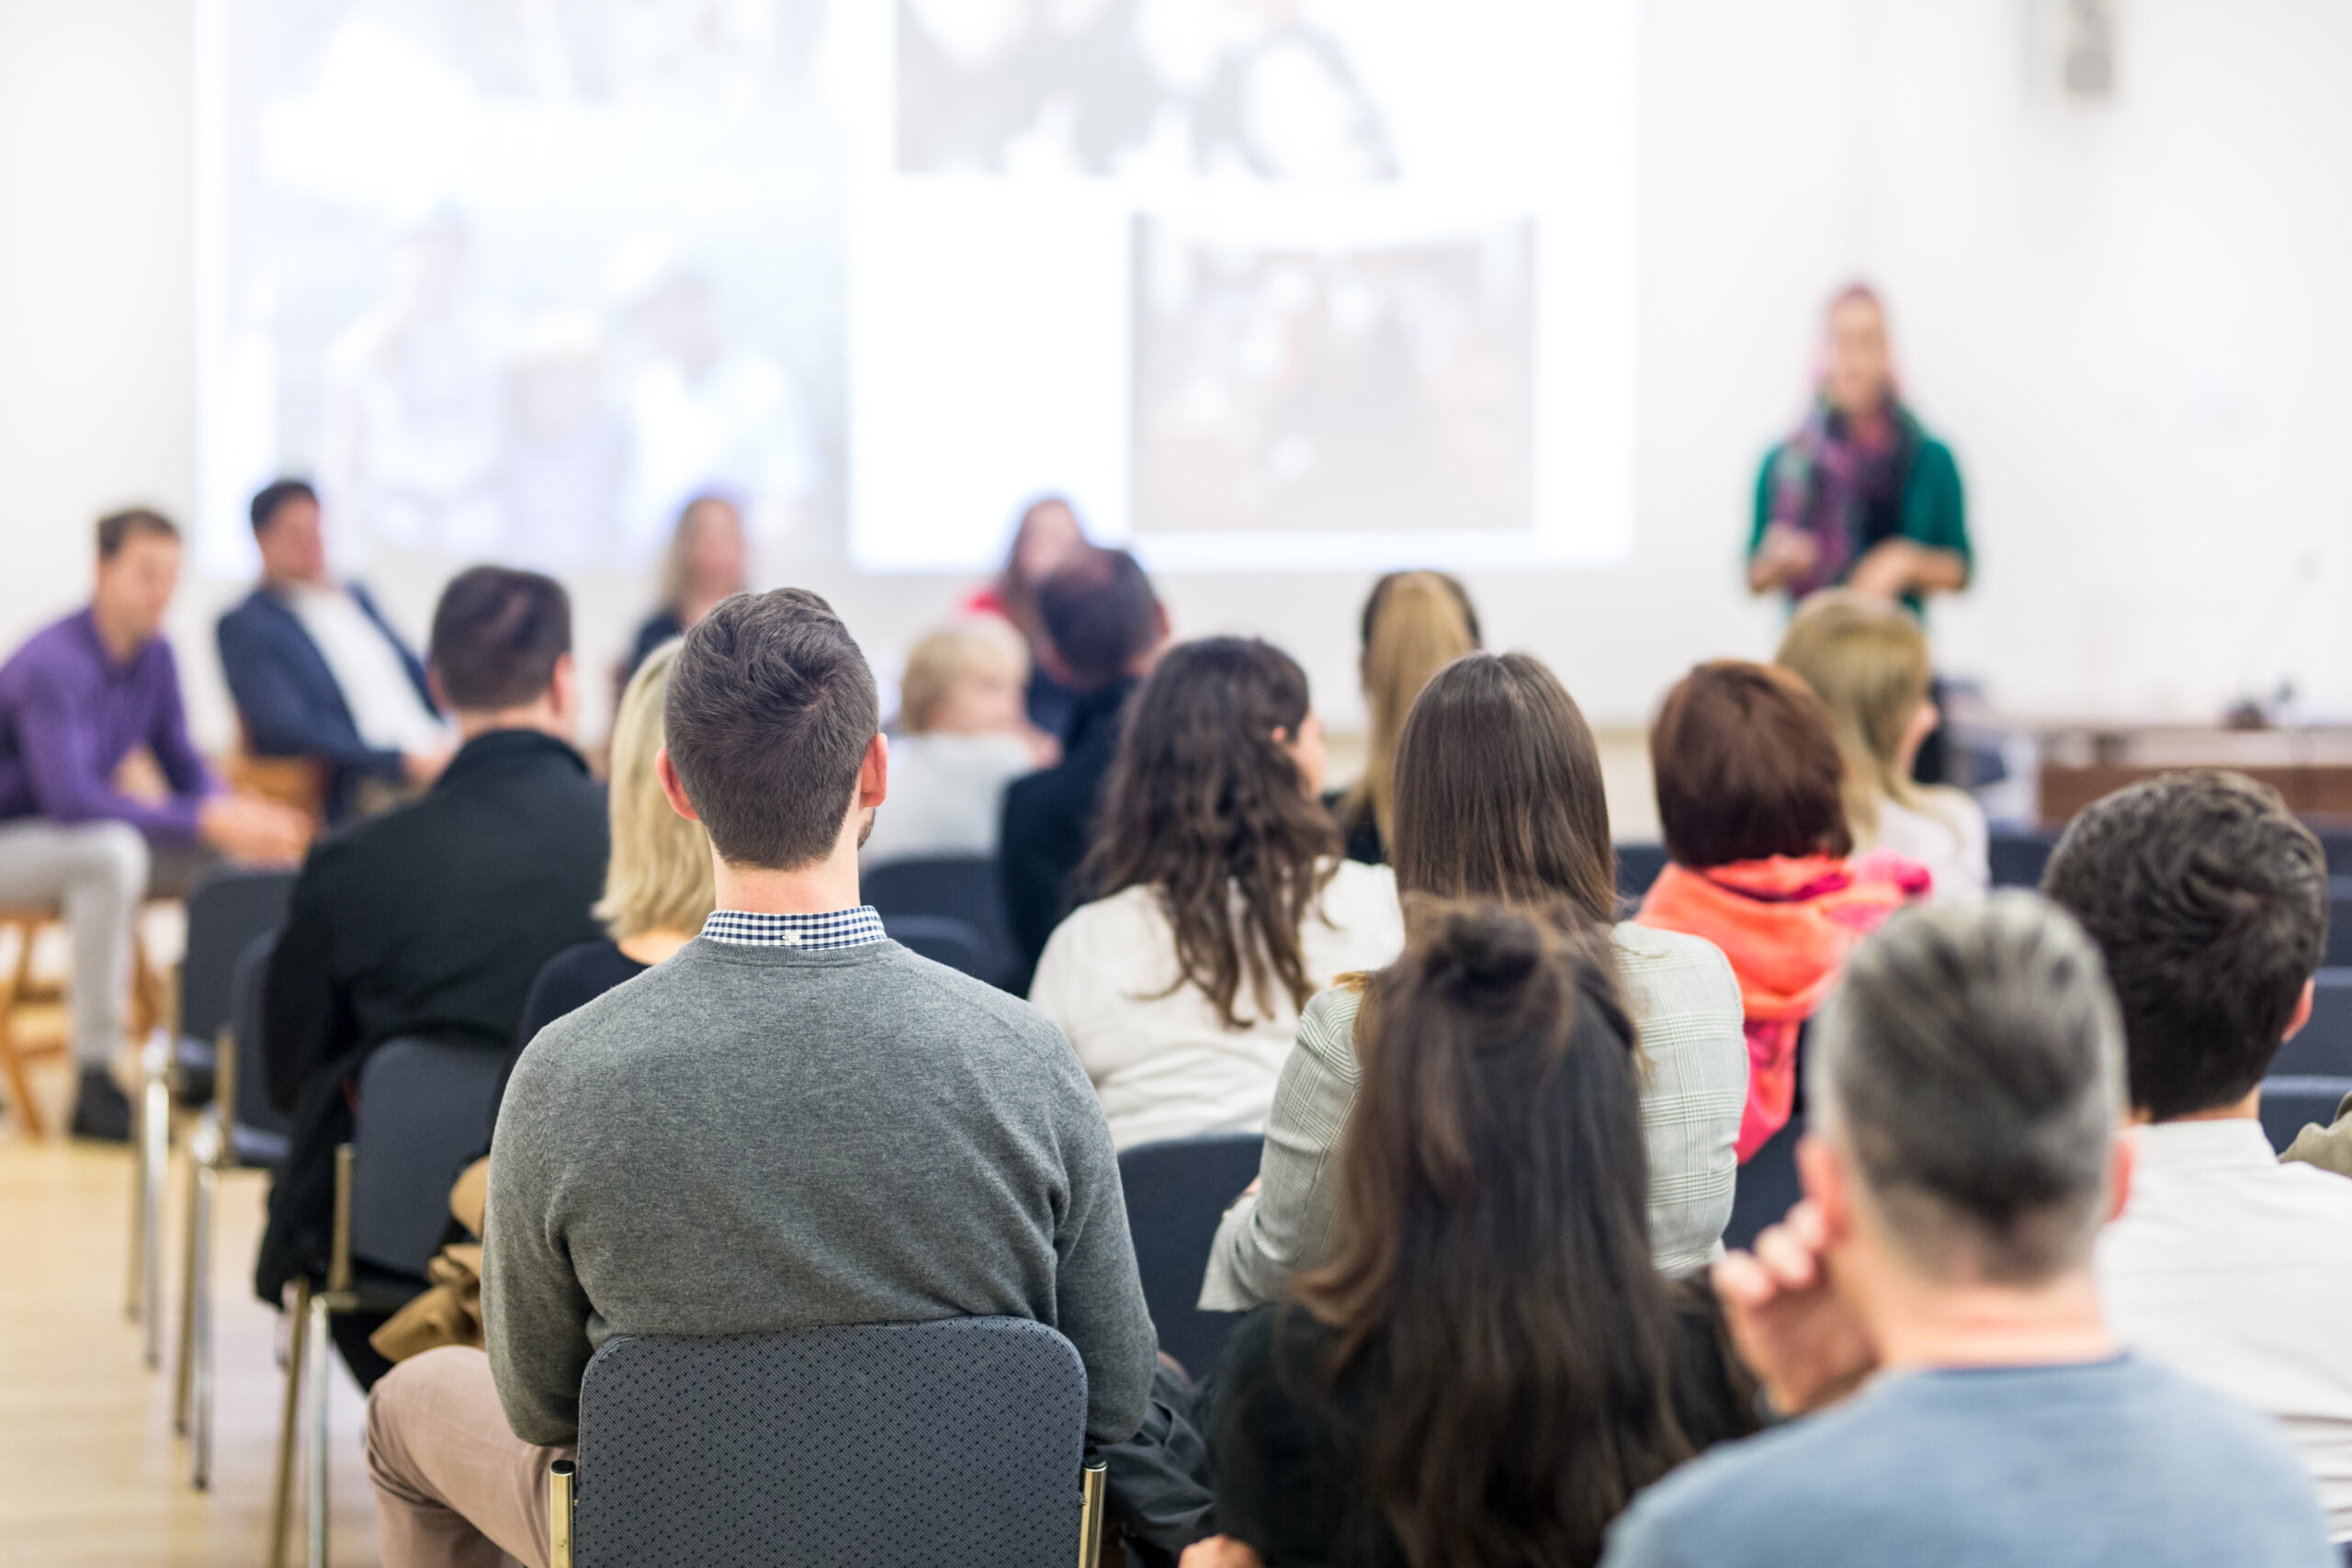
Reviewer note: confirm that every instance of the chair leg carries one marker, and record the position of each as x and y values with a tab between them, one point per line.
1092	1486
184	1348
154	1164
200	1325
12	1054
320	1355
281	1506
562	1477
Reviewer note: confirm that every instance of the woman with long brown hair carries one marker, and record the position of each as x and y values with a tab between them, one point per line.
1487	1367
1415	624
1222	901
1499	798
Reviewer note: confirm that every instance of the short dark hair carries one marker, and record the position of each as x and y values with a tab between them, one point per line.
276	494
1747	767
497	636
770	712
117	529
1101	615
2210	902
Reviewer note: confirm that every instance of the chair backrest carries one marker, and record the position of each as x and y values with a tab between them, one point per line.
1176	1191
2289	1103
943	939
1638	866
227	909
2339	921
422	1106
948	1444
2323	1046
1768	1186
959	887
258	1130
2017	855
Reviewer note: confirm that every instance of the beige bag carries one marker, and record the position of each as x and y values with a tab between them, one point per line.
449	1311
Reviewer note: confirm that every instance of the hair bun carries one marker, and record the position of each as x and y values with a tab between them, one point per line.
1486	950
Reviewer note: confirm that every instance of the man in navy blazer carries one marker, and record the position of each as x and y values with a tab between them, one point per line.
315	669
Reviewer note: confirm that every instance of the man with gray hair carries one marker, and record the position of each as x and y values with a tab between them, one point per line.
1967	1084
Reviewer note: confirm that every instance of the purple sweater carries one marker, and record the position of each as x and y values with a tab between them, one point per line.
68	716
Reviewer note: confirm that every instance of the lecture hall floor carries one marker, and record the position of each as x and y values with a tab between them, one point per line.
90	1472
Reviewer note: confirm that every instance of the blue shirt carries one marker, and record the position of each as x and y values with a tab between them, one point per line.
2107	1464
69	715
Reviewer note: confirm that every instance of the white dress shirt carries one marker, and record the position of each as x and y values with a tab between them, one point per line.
1162	1060
2236	1271
385	707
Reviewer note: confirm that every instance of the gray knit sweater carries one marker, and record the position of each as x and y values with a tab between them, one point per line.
745	1139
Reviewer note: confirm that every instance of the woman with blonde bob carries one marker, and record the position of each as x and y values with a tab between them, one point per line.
1867	661
960	737
1415	624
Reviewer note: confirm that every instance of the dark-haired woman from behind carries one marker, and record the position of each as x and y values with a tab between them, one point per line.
1487	1367
1223	901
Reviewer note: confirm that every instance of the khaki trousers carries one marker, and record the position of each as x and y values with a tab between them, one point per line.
454	1488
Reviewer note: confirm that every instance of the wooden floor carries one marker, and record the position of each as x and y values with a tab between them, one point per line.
90	1472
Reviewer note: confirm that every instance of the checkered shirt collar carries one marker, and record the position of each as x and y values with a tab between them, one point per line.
811	933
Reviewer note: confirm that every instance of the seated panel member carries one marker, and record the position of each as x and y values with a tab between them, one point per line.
76	700
315	669
845	1133
434	919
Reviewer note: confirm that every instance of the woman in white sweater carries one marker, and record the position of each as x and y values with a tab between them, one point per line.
1224	900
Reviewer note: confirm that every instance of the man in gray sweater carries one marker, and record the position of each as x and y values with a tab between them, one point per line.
793	1121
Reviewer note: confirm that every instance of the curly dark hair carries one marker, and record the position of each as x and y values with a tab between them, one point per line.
1207	807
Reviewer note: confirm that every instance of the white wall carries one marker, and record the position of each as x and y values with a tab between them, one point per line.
2131	320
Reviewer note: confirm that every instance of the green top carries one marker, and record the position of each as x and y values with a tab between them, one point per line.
1933	512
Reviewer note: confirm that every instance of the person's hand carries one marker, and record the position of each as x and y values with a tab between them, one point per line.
1789	1323
423	767
1785	553
256	832
1888	571
1220	1551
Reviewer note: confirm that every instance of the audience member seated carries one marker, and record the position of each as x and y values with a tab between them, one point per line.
1488	1368
434	919
1966	1085
961	737
1414	624
77	701
1867	661
317	672
1760	862
1107	628
708	560
1499	797
1047	538
915	1146
657	883
1227	902
2209	903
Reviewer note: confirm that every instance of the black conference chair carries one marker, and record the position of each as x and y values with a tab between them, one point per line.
2291	1102
422	1105
241	1130
943	939
2325	1047
2018	856
956	887
955	1444
1638	866
1177	1190
228	909
2339	921
1768	1187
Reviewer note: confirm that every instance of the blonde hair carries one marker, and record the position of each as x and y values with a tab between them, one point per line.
1416	624
659	876
946	657
1867	661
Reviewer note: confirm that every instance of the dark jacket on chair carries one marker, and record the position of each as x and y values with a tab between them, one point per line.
432	920
1049	824
287	698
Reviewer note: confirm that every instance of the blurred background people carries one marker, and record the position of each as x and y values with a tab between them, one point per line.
708	560
1750	796
1415	624
317	672
1222	900
1047	538
1859	495
1867	661
960	737
82	704
1104	629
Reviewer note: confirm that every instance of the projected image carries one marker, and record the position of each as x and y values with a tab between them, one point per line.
1367	388
507	284
1102	87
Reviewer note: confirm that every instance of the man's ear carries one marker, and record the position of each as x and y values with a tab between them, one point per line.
874	773
2303	1011
563	686
674	791
1821	1175
2120	1162
433	687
